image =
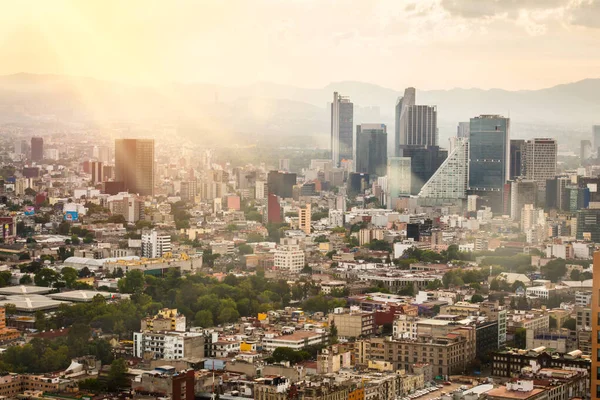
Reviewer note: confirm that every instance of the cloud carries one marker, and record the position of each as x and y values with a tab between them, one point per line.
586	13
493	8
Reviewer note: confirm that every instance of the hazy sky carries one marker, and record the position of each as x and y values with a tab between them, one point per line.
431	44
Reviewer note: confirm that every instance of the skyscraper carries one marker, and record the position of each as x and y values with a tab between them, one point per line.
371	149
420	126
517	148
596	136
540	162
134	165
463	130
37	149
489	158
401	105
342	122
97	172
585	151
425	160
398	178
450	179
304	219
522	192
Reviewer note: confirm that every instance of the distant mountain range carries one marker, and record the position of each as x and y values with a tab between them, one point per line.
268	108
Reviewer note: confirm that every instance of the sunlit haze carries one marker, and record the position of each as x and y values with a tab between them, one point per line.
429	44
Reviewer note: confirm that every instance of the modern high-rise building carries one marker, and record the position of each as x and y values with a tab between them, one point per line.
284	164
595	310
420	126
134	165
540	162
596	136
155	245
521	192
585	151
517	148
489	165
371	149
97	172
281	183
342	123
588	228
463	129
425	160
450	180
398	178
273	214
260	190
556	193
37	149
400	118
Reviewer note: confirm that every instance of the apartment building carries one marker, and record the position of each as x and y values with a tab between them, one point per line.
354	323
446	354
165	320
168	345
297	340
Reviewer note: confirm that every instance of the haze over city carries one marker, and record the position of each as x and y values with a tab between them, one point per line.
300	200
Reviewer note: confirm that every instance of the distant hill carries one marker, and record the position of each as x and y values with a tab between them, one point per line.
285	110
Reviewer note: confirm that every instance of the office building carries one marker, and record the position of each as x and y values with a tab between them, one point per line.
342	123
522	192
188	190
155	245
281	183
304	220
588	227
585	151
97	172
260	190
284	164
398	178
273	213
420	126
578	198
371	149
37	149
463	130
596	137
424	162
517	148
540	162
126	204
402	105
134	165
451	178
357	182
489	165
557	196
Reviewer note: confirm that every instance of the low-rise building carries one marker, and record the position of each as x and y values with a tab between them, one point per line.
354	323
168	345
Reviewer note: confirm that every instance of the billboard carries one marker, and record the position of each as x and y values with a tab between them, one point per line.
71	216
29	210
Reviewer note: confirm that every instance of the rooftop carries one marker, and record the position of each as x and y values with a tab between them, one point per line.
503	392
24	290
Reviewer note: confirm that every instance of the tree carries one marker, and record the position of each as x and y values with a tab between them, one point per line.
477	298
45	277
117	219
26	280
133	282
520	338
204	318
117	375
245	249
10	309
435	284
333	333
228	314
575	275
552	322
63	228
75	239
69	275
495	285
555	269
84	272
516	285
570	324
